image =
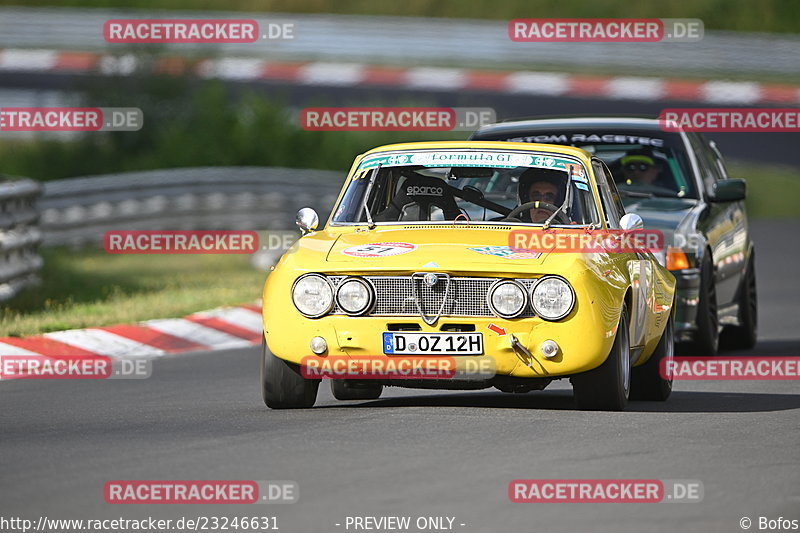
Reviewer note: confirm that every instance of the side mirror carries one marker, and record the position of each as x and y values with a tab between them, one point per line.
307	220
731	190
631	221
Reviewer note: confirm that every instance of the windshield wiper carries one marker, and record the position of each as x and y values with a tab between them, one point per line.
567	201
370	223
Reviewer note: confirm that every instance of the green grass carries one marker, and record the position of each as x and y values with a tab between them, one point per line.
772	191
736	15
92	288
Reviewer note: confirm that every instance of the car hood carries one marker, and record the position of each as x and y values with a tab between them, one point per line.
443	248
664	214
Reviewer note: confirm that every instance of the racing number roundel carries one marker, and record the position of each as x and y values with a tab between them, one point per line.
380	249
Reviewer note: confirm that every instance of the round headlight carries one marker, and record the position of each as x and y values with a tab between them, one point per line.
312	295
354	296
552	298
507	298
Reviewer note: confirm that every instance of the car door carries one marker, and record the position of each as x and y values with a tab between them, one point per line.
724	224
640	267
739	236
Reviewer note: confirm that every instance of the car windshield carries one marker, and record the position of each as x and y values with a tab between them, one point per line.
637	168
485	186
654	166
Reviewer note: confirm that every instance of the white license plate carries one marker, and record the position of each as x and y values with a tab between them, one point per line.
396	343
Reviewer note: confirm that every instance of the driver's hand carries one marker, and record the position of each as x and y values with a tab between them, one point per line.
539	216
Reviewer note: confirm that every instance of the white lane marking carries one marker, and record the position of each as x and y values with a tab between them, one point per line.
332	74
186	329
15	59
435	78
7	350
122	65
104	343
551	83
232	68
10	349
635	88
237	316
744	92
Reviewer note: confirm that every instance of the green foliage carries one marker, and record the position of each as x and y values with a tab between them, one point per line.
194	126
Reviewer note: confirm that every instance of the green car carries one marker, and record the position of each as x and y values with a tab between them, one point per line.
677	182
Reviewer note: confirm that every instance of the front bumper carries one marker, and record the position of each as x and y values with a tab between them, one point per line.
583	340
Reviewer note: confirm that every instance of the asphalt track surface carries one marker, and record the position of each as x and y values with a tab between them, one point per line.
416	453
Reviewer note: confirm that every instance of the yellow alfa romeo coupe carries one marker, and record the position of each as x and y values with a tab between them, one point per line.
417	260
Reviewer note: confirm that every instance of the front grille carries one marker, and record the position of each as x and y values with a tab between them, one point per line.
394	296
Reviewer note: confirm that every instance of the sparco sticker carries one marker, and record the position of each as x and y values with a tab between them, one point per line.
380	249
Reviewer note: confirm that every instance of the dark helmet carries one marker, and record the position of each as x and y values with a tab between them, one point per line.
534	175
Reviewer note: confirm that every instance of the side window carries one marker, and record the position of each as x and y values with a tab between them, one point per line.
612	186
606	198
717	157
708	168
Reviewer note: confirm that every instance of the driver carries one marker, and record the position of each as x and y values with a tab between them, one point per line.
541	185
639	168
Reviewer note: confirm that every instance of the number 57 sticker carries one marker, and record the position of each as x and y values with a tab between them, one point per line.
380	249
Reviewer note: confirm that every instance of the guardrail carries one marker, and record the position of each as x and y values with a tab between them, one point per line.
409	40
78	211
19	236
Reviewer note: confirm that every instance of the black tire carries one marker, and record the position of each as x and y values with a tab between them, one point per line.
744	335
282	385
345	389
607	387
706	337
647	381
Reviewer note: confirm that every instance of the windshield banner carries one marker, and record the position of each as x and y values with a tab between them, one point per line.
470	159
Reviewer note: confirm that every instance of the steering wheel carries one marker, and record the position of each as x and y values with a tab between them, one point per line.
561	216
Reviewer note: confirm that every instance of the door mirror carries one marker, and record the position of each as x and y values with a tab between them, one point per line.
631	221
307	220
731	190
